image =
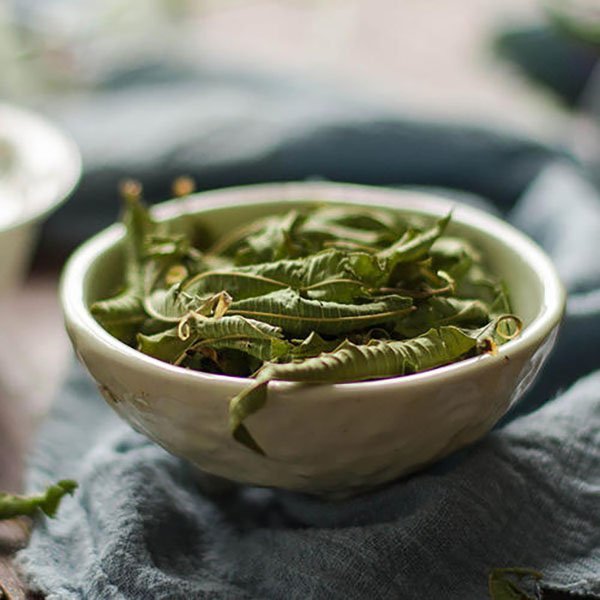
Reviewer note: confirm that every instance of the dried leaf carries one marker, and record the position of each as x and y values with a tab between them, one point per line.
351	362
216	333
48	502
299	316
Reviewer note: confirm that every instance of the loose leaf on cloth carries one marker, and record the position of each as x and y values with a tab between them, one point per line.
506	584
48	502
351	362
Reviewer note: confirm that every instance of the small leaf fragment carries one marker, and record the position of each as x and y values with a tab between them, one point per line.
506	584
48	502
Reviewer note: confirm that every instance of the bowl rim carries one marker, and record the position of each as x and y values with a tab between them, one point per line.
77	314
68	176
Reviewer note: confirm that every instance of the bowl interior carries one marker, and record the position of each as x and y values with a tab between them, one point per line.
505	254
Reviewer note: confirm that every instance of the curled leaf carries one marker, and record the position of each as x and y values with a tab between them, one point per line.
327	275
413	246
438	311
262	340
351	362
313	345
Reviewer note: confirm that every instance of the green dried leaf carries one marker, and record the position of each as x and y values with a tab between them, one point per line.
175	245
313	345
227	332
240	283
387	224
506	584
454	256
299	316
438	311
269	239
501	303
327	275
165	345
124	308
413	246
170	305
48	502
263	349
249	336
351	362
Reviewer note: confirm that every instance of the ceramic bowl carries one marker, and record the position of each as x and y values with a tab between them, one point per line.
39	167
323	439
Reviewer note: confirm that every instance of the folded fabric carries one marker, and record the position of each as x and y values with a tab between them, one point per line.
229	128
551	58
147	525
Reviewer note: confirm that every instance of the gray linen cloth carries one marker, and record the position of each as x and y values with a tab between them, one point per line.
145	525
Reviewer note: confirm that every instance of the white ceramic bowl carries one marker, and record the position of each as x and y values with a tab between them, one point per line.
39	167
325	439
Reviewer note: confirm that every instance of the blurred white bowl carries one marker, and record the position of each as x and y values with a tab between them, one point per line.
39	167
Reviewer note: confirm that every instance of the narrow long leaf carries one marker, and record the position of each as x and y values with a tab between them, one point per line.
326	275
170	305
240	283
299	316
351	362
313	345
263	349
122	313
166	345
438	311
412	247
378	359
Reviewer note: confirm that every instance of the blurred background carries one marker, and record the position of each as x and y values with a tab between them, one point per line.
236	91
420	56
